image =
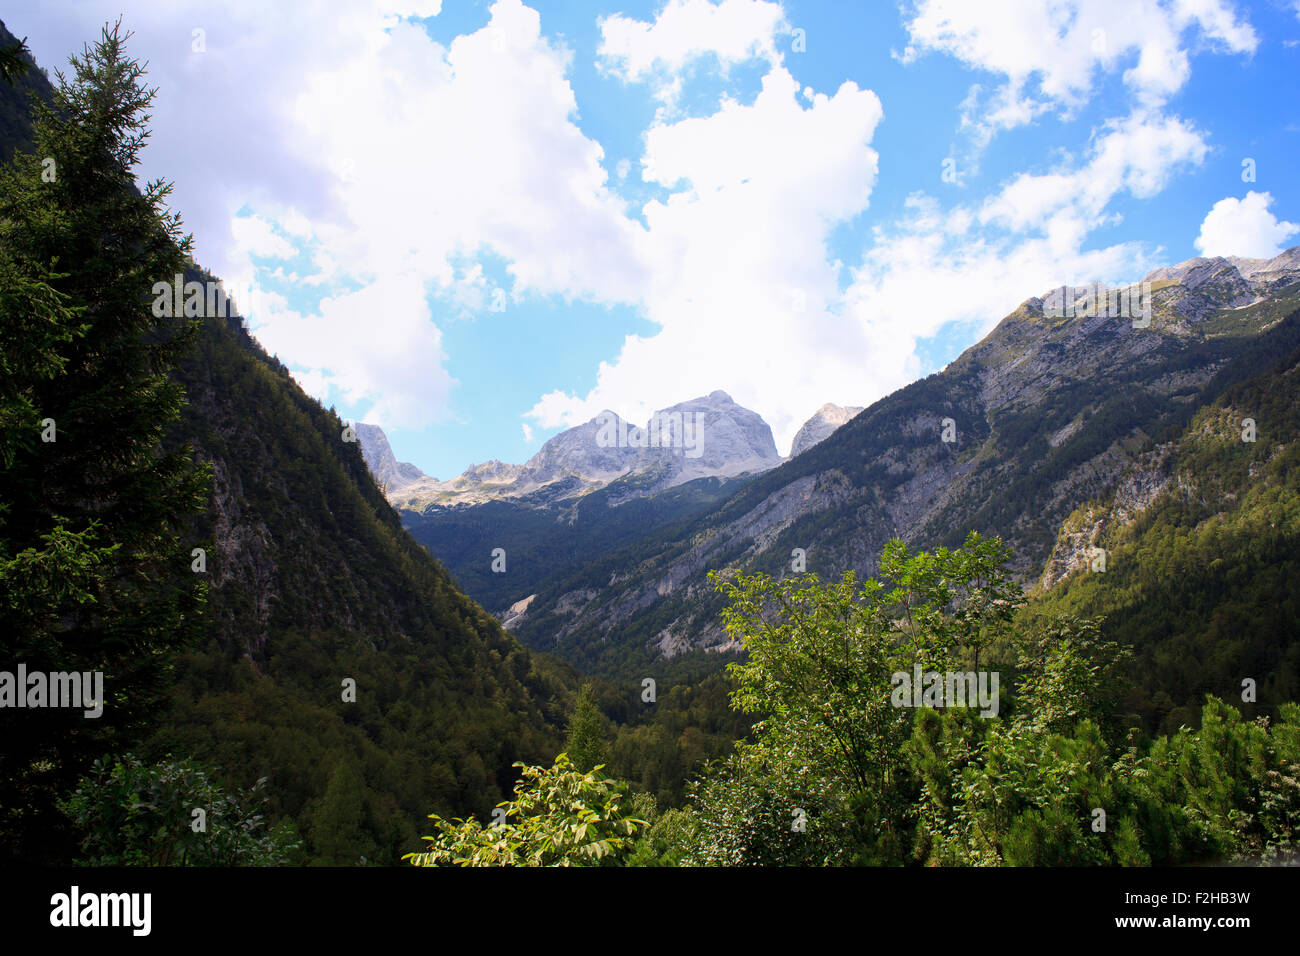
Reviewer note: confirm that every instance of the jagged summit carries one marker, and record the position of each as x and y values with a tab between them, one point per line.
709	436
1177	296
1192	272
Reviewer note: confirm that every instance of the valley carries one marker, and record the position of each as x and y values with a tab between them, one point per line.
1030	601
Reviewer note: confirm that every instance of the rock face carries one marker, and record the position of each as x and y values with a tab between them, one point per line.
1206	285
515	612
707	437
389	473
1194	273
827	418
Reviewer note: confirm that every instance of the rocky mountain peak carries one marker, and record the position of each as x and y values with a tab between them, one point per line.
390	473
709	436
824	421
1233	277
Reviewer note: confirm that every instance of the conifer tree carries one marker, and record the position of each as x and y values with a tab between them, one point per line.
337	823
94	500
12	64
586	744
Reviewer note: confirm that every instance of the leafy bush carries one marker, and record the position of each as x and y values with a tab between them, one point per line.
132	814
559	817
838	775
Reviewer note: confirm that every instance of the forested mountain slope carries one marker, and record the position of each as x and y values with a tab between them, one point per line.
544	539
313	581
1201	547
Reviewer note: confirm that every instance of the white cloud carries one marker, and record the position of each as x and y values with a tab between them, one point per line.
1138	155
388	160
257	237
445	153
453	151
923	275
1049	51
733	31
375	346
984	113
973	264
743	289
1244	227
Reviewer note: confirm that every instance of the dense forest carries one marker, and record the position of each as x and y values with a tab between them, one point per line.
843	770
1201	585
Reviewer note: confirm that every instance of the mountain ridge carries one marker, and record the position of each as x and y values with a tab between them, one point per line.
1045	411
384	466
706	437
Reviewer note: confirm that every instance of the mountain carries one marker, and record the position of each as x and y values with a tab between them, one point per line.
1056	406
390	473
507	531
1248	278
15	109
314	581
707	437
542	538
1201	545
824	421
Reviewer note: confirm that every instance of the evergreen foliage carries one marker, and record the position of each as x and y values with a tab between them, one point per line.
94	568
312	579
586	744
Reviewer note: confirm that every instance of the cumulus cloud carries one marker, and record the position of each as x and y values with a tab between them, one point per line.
1244	227
389	162
730	31
441	154
445	153
469	148
1049	52
743	289
359	344
257	237
1137	155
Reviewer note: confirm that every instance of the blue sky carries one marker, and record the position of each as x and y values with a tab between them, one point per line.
477	223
